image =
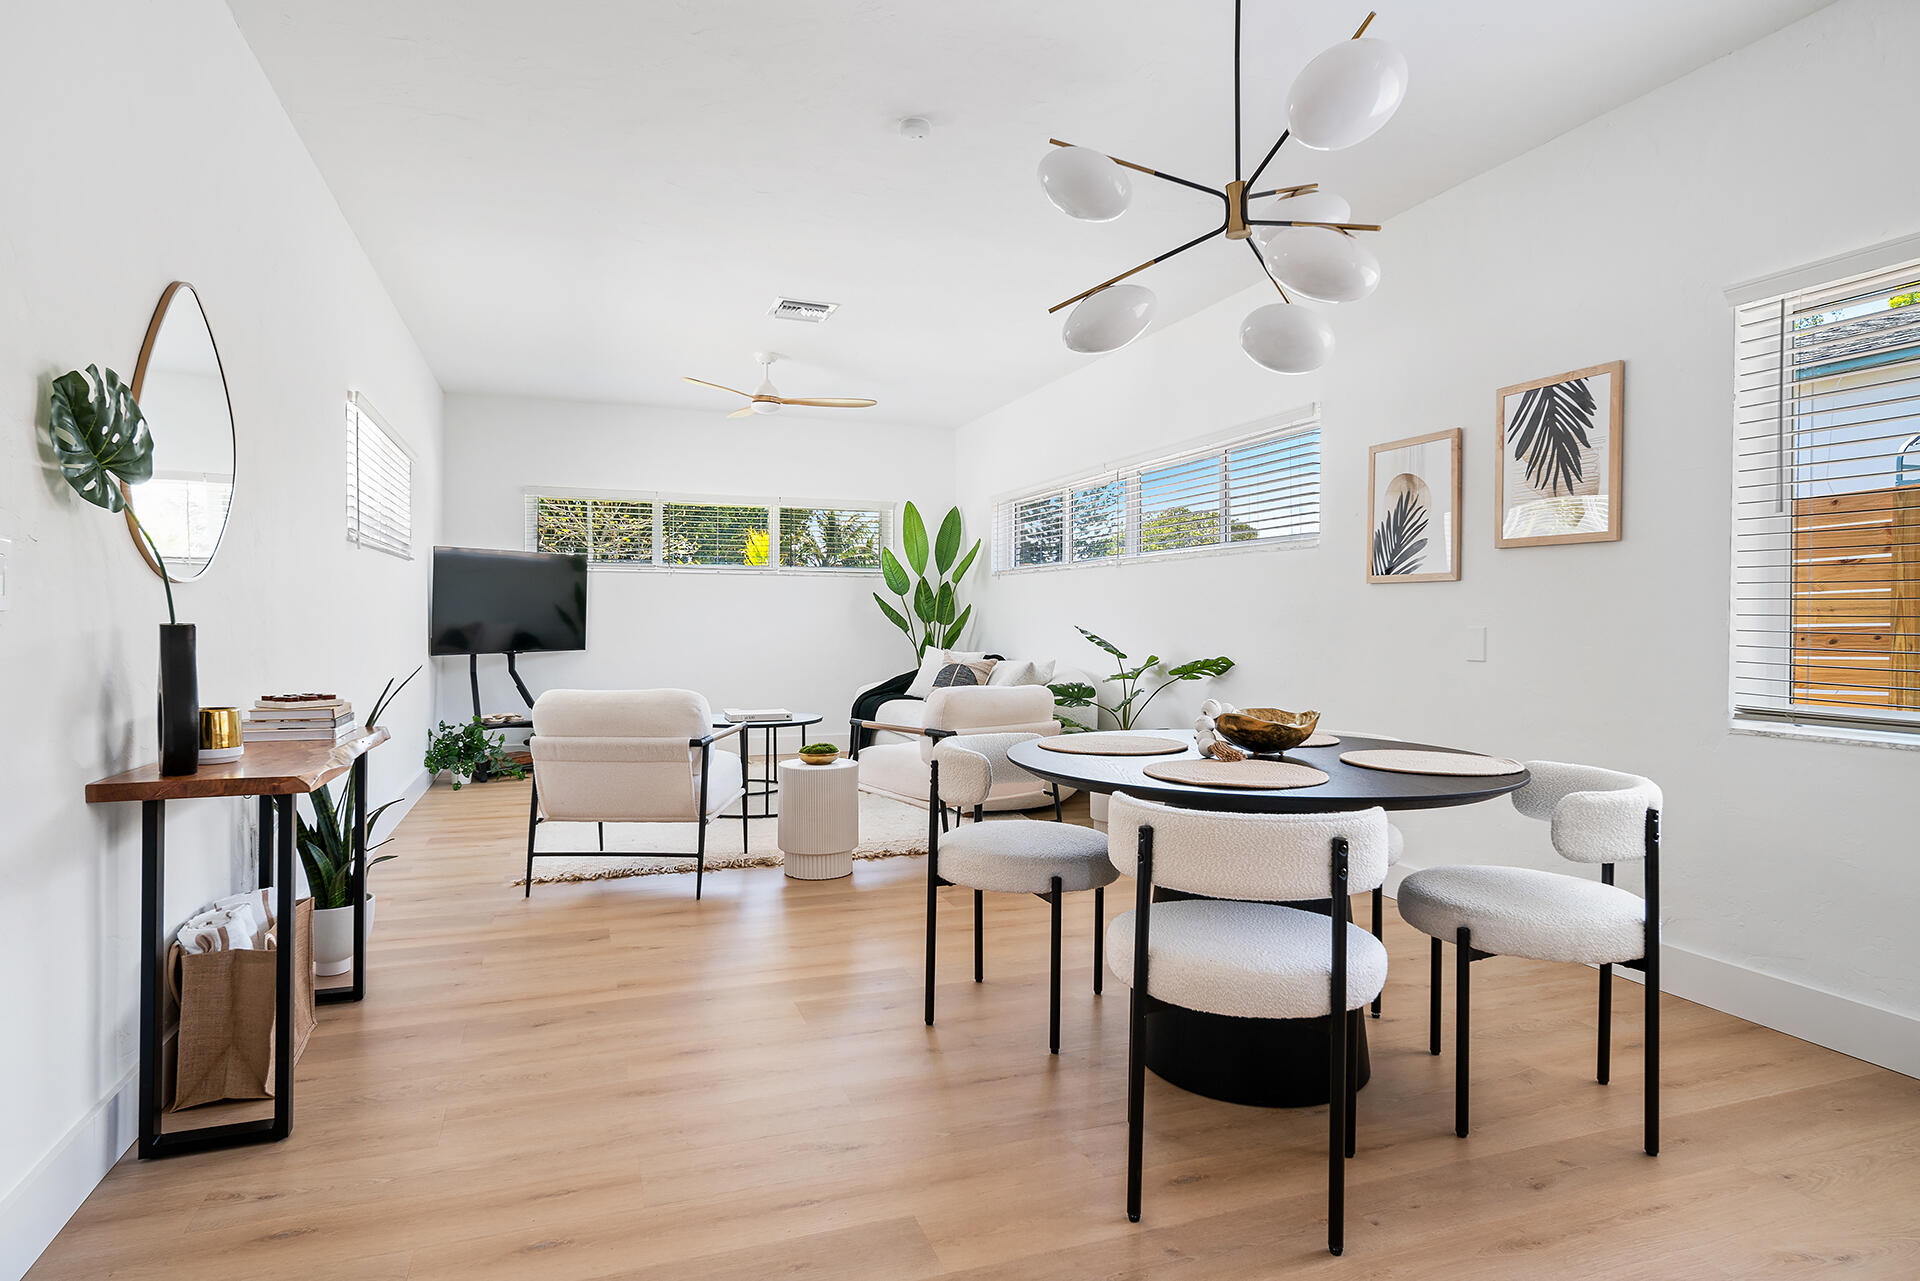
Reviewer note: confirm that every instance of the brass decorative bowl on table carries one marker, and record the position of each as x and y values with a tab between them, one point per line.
819	754
1266	730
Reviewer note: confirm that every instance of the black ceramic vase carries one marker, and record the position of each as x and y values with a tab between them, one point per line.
179	700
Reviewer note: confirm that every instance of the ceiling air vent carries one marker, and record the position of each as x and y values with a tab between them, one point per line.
811	313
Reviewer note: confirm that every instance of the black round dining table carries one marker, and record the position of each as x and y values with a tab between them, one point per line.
1260	1062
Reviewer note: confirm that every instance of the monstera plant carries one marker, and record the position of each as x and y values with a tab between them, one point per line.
101	440
929	612
1127	709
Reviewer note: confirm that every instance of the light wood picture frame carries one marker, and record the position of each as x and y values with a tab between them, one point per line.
1413	509
1557	474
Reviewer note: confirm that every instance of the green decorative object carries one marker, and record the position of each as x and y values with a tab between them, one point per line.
1127	710
326	847
819	753
462	750
102	442
929	612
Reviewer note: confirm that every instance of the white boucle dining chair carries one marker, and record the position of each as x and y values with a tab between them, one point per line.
1597	816
631	756
1236	951
1011	855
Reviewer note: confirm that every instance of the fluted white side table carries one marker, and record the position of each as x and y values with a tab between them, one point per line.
819	818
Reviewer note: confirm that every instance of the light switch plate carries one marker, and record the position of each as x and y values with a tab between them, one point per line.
1476	645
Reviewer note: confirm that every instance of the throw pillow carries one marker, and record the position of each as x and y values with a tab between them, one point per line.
1022	671
954	675
930	667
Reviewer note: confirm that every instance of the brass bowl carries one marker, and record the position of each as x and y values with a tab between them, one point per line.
1266	729
820	758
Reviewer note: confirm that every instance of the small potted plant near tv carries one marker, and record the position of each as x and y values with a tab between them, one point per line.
326	855
819	753
463	751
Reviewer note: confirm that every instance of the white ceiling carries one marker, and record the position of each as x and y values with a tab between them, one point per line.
589	198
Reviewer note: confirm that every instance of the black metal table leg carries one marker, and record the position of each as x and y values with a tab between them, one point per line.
283	977
153	867
266	843
357	990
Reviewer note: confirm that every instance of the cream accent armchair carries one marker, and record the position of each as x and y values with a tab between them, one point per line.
901	769
631	756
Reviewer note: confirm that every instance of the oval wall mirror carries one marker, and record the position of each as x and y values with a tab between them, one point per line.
182	390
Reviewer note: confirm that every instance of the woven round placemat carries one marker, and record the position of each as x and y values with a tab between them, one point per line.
1322	740
1239	774
1112	745
1448	764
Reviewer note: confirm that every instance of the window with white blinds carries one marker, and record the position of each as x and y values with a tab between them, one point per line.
1826	525
379	483
1262	489
657	531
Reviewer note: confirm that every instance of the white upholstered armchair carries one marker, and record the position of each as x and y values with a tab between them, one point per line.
899	768
631	756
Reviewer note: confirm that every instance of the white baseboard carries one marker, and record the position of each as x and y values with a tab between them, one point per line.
42	1202
416	788
1871	1033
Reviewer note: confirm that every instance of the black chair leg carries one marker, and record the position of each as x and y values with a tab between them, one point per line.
1433	1001
979	937
700	861
1462	962
1136	1100
933	911
1353	1082
603	836
1379	926
533	826
979	812
1653	1059
1058	817
943	818
1601	1072
1099	936
1053	1005
1337	1142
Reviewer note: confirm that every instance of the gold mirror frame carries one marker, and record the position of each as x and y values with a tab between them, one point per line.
226	395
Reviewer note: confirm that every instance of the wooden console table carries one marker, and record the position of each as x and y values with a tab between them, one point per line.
275	772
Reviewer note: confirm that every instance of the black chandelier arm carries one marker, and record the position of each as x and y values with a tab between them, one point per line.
1262	258
1153	173
1266	160
1299	189
1088	293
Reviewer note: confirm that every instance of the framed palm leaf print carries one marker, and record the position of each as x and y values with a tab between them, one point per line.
1558	478
1413	510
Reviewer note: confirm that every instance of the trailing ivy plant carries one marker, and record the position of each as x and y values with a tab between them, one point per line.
929	613
461	750
101	440
1127	710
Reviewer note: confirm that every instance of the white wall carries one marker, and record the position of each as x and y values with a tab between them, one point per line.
804	642
1790	865
143	144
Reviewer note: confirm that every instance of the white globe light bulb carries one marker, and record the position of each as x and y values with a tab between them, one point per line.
1084	184
1346	94
1286	339
1323	264
1108	320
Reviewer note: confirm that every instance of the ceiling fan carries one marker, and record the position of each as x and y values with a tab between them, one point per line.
765	400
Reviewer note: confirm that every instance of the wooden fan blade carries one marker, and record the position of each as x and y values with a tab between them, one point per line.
742	412
828	402
716	386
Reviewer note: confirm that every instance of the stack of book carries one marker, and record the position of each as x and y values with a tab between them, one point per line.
321	718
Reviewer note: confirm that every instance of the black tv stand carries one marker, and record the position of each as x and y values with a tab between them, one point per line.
473	682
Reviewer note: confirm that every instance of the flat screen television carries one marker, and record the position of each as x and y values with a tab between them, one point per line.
493	602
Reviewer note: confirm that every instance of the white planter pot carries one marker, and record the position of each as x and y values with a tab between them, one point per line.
459	779
333	938
1097	806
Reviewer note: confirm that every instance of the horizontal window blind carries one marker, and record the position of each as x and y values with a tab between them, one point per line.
1826	505
379	483
665	532
1264	489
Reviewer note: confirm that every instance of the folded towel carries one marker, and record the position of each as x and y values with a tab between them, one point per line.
239	922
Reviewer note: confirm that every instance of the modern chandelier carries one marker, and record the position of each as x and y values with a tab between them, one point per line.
1301	234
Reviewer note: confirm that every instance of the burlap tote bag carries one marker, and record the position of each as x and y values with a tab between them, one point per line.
224	1045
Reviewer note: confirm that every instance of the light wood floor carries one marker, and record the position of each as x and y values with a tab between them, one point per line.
611	1080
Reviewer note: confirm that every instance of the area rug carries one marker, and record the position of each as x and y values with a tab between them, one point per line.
888	829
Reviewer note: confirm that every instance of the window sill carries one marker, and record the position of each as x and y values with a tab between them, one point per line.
1895	739
1185	553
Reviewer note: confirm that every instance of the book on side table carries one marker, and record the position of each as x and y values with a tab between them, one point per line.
299	718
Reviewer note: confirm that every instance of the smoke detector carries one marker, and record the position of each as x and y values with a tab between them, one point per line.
915	127
800	309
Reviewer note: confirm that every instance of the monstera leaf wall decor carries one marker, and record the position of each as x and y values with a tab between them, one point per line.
101	439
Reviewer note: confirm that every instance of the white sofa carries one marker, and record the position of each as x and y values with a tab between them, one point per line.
896	765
